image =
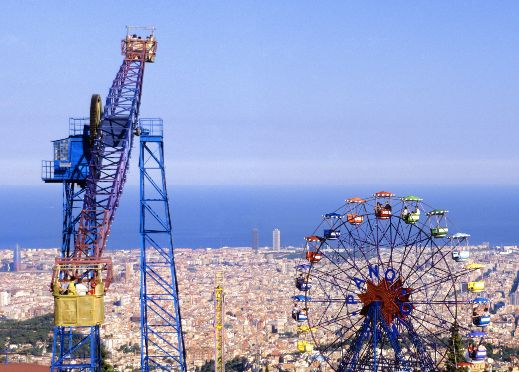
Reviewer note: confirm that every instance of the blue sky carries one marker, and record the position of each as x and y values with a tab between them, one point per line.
279	92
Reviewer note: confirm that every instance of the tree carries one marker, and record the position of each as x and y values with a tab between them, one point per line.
105	366
456	350
238	364
207	367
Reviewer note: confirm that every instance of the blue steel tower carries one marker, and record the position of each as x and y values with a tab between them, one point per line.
92	164
162	343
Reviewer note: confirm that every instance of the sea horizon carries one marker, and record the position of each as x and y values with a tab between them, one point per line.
216	216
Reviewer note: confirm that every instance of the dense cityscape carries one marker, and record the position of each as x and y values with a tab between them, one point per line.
258	287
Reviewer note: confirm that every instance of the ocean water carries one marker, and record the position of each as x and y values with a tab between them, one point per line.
215	216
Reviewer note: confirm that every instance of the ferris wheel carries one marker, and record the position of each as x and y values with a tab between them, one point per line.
384	286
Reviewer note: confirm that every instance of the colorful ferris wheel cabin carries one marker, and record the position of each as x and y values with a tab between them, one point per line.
312	248
411	211
354	218
304	346
305	328
460	256
478	355
303	284
383	211
439	227
383	194
481	321
300	315
476	287
332	215
480	312
475	352
313	256
331	234
301	298
460	243
355	200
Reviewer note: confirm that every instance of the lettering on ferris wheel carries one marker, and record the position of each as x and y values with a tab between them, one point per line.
389	276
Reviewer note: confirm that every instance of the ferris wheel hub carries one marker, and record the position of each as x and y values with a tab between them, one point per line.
393	298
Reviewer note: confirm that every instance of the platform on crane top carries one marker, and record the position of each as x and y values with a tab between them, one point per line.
139	43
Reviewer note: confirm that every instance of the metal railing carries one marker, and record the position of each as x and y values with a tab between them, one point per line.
47	169
151	127
76	125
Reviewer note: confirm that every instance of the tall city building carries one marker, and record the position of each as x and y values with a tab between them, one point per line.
17	258
4	299
276	239
255	238
128	272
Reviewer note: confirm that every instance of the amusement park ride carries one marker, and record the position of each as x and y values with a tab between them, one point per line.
92	165
219	303
380	289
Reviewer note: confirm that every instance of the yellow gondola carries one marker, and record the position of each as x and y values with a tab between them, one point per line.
77	301
476	286
306	328
304	346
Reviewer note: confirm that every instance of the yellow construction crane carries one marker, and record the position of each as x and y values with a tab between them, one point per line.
219	365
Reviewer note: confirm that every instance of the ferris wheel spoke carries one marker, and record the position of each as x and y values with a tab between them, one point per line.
381	240
393	242
352	258
327	300
323	274
424	264
354	248
335	319
323	313
354	265
442	323
322	278
439	302
440	280
434	334
369	229
422	250
450	308
447	304
406	253
424	358
431	260
340	337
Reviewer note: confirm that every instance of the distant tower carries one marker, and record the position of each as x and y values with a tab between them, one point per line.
219	301
255	238
17	259
128	272
276	239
